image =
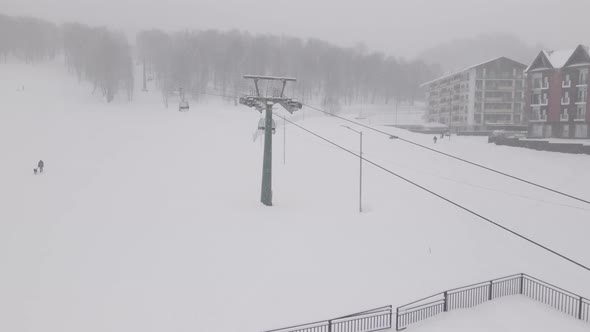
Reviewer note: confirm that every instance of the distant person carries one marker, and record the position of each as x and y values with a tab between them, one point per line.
35	171
442	135
41	164
435	139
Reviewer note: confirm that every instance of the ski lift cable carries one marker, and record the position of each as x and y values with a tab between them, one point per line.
415	184
473	185
397	137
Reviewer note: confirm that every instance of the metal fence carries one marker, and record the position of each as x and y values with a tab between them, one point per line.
476	294
366	321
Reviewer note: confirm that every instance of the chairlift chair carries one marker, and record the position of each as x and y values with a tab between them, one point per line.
262	125
183	106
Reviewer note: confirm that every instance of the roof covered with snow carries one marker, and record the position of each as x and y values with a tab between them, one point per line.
453	73
555	59
558	59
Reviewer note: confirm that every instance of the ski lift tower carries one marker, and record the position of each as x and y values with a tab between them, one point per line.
265	103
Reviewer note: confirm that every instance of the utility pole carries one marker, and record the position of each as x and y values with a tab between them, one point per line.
284	141
396	106
360	168
265	103
144	77
361	175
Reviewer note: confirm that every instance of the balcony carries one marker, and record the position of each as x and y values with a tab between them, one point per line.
583	82
537	117
566	84
564	117
499	99
566	101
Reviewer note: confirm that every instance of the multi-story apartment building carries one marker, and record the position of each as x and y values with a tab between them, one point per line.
481	97
557	94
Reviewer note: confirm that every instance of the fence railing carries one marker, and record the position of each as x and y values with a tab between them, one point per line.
366	321
476	294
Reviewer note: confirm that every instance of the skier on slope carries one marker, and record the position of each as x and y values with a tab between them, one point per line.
41	164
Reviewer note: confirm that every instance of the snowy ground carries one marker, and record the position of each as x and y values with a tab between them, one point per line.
148	219
513	314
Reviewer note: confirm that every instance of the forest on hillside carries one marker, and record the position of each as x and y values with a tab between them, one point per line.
200	62
97	55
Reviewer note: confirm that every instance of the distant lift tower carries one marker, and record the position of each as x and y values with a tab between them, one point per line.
265	103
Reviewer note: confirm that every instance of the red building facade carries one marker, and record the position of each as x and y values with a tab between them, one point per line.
557	94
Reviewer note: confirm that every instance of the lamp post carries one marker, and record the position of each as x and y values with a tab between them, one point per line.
360	167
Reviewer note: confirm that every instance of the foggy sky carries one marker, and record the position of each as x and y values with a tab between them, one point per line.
401	28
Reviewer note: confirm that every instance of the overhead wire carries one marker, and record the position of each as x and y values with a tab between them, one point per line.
397	137
415	184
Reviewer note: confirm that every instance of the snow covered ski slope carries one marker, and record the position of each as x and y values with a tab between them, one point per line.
147	219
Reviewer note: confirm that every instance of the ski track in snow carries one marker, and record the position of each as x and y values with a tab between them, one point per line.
147	219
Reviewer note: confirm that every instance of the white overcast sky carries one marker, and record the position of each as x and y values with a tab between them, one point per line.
402	28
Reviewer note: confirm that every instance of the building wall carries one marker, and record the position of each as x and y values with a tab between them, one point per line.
469	89
554	126
471	100
554	94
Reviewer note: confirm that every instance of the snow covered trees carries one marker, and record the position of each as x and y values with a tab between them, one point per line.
101	57
28	39
332	75
97	55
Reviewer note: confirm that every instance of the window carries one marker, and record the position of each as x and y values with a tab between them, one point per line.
545	101
564	115
567	82
539	114
582	95
583	77
545	82
537	81
566	99
581	113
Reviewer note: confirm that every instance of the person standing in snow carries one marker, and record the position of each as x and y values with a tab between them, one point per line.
41	164
434	139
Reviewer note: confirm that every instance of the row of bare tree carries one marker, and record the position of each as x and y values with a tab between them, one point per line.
213	61
101	57
97	55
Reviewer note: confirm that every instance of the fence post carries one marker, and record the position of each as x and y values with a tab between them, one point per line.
446	306
490	293
397	319
580	308
521	283
329	326
390	316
